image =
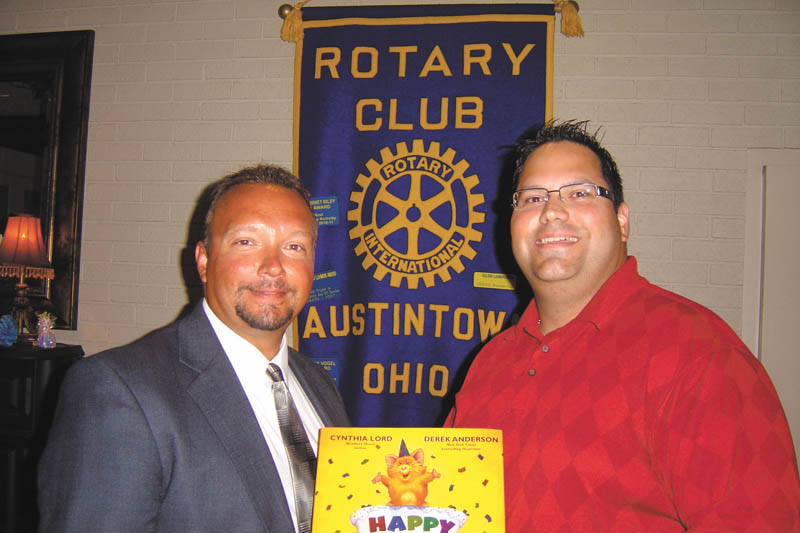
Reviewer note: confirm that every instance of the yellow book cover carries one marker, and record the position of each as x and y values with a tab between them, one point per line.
432	480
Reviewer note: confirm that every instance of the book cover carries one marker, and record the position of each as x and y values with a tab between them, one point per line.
432	480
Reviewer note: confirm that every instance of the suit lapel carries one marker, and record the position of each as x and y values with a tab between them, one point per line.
211	381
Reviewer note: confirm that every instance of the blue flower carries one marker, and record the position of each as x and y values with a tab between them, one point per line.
8	330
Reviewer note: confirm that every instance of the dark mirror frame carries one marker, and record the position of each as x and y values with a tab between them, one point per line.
64	58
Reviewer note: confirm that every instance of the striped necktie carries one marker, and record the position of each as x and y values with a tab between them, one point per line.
302	460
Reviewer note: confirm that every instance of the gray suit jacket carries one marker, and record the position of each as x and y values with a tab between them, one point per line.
158	435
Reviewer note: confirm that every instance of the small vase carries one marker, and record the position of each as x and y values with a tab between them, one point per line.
46	338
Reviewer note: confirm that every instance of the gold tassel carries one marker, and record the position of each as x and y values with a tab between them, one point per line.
570	19
292	28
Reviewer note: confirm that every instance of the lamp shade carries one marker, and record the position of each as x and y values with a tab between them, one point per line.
22	242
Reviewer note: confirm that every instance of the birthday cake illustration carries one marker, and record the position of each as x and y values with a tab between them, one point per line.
451	482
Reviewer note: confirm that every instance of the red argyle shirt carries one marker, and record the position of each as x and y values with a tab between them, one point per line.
645	413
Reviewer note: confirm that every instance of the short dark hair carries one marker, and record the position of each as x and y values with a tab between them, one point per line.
572	131
264	174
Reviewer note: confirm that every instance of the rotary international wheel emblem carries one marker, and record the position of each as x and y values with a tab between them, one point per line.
415	214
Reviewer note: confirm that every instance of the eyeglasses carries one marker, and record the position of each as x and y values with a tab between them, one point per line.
573	194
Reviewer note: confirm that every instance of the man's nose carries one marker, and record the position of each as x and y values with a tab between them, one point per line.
554	209
270	263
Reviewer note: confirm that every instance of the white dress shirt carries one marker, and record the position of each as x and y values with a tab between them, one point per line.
250	366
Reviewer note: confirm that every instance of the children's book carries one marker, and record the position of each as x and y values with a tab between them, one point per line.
431	480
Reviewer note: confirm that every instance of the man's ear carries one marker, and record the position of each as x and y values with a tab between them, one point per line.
201	258
624	221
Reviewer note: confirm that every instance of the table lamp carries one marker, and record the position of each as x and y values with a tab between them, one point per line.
22	253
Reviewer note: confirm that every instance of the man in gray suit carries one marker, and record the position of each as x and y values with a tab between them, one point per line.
178	430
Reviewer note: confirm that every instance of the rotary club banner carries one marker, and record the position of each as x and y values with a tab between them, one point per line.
403	115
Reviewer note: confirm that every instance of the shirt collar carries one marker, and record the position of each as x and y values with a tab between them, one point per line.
241	352
603	305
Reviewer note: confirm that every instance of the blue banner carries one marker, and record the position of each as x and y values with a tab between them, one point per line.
403	115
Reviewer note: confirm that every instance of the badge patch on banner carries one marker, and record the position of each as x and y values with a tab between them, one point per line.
403	118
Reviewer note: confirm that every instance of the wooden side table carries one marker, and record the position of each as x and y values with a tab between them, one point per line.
29	381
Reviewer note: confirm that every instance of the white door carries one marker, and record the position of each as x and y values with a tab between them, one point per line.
773	246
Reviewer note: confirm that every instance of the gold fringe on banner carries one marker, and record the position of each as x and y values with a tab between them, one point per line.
570	19
292	28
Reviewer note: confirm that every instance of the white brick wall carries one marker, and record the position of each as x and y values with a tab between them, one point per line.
186	91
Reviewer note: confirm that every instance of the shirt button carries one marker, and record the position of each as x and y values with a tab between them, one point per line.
531	371
545	348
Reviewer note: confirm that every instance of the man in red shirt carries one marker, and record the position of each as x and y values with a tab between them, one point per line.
624	407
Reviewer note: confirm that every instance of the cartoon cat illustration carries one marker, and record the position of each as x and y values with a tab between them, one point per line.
407	479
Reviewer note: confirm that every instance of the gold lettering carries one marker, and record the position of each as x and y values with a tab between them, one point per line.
481	60
373	62
330	62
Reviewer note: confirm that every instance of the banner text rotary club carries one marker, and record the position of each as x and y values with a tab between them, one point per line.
374	114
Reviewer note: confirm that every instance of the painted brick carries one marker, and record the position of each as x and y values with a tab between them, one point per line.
238	29
747	137
236	69
661	272
114	151
42	20
672	225
712	203
206	11
644	156
200	172
143	92
262	90
711	158
276	110
229	110
769	23
94	291
106	313
137	212
202	90
773	114
166	275
143	171
789	45
140	253
247	153
168	192
741	90
728	228
145	132
675	180
652	248
154	316
633	112
792	137
703	67
131	53
726	274
174	70
702	23
575	65
175	32
151	12
273	130
112	192
207	131
769	67
609	44
676	44
661	89
163	234
176	151
600	88
632	66
650	203
707	250
123	33
674	136
111	233
106	73
204	50
742	45
631	23
94	16
730	181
